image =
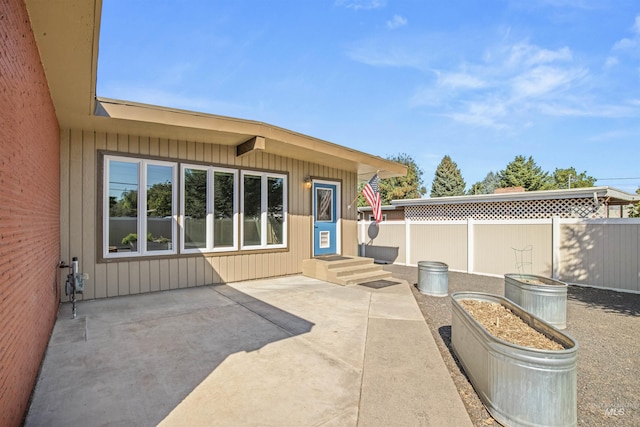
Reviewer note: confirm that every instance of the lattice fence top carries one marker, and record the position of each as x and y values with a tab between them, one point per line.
517	209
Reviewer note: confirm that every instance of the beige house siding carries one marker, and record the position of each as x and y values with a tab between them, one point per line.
80	225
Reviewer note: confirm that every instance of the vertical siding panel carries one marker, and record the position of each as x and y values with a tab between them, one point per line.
112	280
215	154
181	147
191	150
200	271
222	269
174	274
154	276
259	265
144	145
154	147
207	153
163	147
214	263
134	145
123	143
134	277
240	273
145	279
112	142
89	174
100	272
199	154
75	197
100	280
123	278
208	271
164	271
187	272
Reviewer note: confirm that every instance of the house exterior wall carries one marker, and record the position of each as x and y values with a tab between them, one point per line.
29	212
81	227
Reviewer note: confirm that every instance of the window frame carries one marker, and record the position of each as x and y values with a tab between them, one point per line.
142	217
264	177
210	238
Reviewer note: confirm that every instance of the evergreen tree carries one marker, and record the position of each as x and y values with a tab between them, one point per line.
486	186
634	211
401	187
523	172
448	179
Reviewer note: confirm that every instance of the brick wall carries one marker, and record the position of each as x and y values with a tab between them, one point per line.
29	212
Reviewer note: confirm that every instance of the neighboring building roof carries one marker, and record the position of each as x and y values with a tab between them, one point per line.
611	195
67	35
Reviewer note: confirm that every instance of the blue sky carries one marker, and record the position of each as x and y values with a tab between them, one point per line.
480	81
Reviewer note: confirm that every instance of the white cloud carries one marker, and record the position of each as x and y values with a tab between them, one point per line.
528	55
544	80
611	61
633	43
361	4
461	80
376	53
396	22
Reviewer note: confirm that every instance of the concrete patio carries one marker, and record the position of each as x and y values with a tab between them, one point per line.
288	351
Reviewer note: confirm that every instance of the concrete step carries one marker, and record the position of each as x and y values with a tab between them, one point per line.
356	279
357	269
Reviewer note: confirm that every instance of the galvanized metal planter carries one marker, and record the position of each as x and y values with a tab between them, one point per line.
541	296
519	386
433	278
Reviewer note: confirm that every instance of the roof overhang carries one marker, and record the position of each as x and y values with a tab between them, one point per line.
612	196
67	35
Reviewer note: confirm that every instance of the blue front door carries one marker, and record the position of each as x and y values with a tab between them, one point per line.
325	218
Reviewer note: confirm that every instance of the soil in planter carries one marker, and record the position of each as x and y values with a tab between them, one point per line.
504	324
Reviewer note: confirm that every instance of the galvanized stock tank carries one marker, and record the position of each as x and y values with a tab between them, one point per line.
520	386
541	296
433	278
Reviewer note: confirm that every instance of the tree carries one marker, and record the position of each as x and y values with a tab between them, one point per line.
522	172
634	211
448	179
568	178
159	199
401	187
486	186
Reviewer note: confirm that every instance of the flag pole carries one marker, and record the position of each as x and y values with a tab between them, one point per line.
356	198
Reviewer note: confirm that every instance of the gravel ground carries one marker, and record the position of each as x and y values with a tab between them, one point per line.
606	325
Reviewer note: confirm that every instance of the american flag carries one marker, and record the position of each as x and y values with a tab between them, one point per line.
372	194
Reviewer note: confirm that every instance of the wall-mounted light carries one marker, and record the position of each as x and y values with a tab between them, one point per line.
307	182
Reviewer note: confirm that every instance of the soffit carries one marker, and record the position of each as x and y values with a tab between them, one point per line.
67	37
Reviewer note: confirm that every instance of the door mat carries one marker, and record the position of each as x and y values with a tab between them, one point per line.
379	284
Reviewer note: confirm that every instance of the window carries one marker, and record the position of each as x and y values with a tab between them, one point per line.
264	207
372	218
141	197
209	209
139	200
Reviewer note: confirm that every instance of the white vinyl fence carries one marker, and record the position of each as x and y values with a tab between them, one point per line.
604	253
